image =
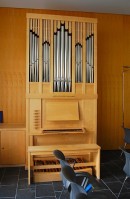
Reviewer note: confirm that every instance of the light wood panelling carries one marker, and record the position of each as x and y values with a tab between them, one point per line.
12	96
110	61
127	98
12	65
113	52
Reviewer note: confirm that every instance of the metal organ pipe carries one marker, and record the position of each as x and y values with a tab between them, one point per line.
45	53
62	59
33	51
69	63
90	54
37	59
58	60
66	61
30	55
92	57
55	62
87	61
78	54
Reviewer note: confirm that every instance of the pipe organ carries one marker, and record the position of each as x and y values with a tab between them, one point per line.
61	80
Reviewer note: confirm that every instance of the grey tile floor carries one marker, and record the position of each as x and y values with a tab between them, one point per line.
13	181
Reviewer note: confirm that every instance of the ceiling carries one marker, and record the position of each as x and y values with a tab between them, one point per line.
98	6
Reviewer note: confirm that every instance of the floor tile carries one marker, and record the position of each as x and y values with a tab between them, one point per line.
25	194
7	191
23	173
45	190
58	186
115	187
12	171
9	180
23	184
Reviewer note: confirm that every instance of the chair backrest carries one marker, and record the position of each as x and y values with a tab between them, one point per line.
126	168
67	174
59	154
67	171
127	135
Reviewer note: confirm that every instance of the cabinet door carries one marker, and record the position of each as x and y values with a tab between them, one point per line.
12	147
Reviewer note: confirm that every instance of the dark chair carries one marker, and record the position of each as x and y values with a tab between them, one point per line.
126	137
77	191
64	162
126	168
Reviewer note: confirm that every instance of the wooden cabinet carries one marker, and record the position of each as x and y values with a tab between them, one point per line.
12	146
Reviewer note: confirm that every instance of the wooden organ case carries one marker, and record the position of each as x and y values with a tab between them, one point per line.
61	83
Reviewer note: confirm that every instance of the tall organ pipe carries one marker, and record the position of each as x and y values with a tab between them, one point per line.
58	60
78	51
33	55
62	58
79	58
66	60
90	55
45	53
30	55
46	63
43	63
81	70
88	59
55	62
33	51
69	63
92	58
76	62
37	59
